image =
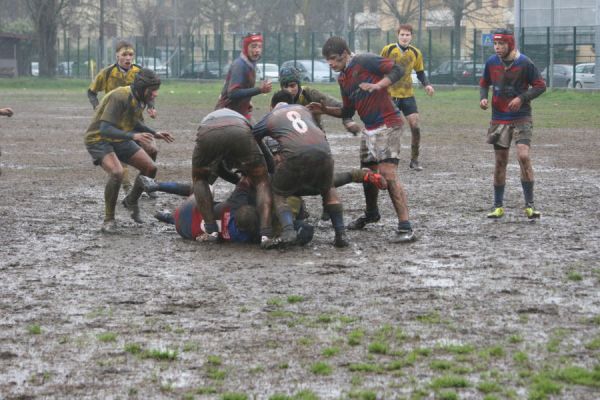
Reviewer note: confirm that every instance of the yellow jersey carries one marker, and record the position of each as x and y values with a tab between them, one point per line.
112	77
410	59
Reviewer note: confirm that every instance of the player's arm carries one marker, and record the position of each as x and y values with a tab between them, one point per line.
391	72
96	86
537	85
235	90
484	88
7	112
330	101
141	127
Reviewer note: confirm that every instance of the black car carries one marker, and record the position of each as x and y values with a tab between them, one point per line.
457	72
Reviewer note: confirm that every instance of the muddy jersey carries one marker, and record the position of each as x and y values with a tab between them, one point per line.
410	59
308	95
294	128
119	108
223	117
376	108
519	79
113	77
239	87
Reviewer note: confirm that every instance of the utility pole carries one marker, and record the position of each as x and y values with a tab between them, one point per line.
421	23
345	16
518	22
101	37
551	66
597	44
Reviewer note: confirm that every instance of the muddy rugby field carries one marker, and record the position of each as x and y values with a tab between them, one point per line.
475	309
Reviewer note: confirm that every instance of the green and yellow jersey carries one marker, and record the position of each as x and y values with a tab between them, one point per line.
410	59
113	77
119	108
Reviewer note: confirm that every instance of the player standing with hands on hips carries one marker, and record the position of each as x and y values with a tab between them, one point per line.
515	81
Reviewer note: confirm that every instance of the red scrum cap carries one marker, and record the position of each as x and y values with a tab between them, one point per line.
249	38
506	36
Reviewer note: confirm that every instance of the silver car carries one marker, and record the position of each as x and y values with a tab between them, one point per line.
320	73
585	75
562	77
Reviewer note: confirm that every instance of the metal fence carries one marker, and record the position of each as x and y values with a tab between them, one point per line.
209	56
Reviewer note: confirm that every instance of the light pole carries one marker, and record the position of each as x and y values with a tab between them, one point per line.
101	37
421	23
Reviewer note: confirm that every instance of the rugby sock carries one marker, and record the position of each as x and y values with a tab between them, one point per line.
336	213
181	189
528	192
286	218
111	194
416	140
136	191
343	178
371	196
498	195
404	226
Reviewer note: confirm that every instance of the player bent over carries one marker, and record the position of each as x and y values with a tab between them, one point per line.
306	168
118	134
225	138
515	81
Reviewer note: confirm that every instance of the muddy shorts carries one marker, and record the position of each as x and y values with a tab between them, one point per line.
380	145
232	144
408	105
308	173
501	135
124	150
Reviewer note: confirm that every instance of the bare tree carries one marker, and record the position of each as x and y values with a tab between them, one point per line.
404	11
465	9
147	13
45	15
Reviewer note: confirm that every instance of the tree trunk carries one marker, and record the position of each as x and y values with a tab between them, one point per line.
457	34
44	16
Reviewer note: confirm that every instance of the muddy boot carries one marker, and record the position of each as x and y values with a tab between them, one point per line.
288	236
134	208
404	233
109	226
341	240
361	222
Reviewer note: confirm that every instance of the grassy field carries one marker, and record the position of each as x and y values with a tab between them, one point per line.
450	106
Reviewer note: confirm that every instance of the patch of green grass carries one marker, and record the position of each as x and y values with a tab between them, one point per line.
190	347
489	387
542	386
107	337
330	351
515	339
161	355
459	348
34	329
378	348
234	396
214	360
355	337
492	352
133	348
347	320
215	373
205	390
449	381
520	357
579	376
321	368
364	367
306	341
492	397
292	299
280	314
259	369
429	318
447	396
523	318
440	365
595	320
423	351
324	319
363	395
574	276
594	344
555	340
283	365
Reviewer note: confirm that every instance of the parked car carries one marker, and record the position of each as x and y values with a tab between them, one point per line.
271	71
321	72
204	70
585	75
154	64
562	76
457	72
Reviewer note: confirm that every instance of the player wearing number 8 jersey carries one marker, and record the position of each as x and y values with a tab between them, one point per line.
307	166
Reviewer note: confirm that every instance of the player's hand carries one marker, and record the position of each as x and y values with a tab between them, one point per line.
429	90
316	108
152	113
483	104
166	136
266	86
515	104
6	111
143	137
353	127
369	87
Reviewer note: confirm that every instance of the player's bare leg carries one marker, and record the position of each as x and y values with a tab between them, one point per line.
527	180
142	161
415	141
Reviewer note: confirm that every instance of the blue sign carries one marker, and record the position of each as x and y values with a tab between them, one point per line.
487	39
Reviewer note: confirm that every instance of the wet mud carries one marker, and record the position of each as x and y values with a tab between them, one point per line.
146	314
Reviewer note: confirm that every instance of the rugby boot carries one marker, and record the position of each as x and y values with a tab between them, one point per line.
497	212
134	209
362	221
532	213
414	165
404	235
109	226
376	179
208	237
267	243
341	240
165	216
149	184
288	236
